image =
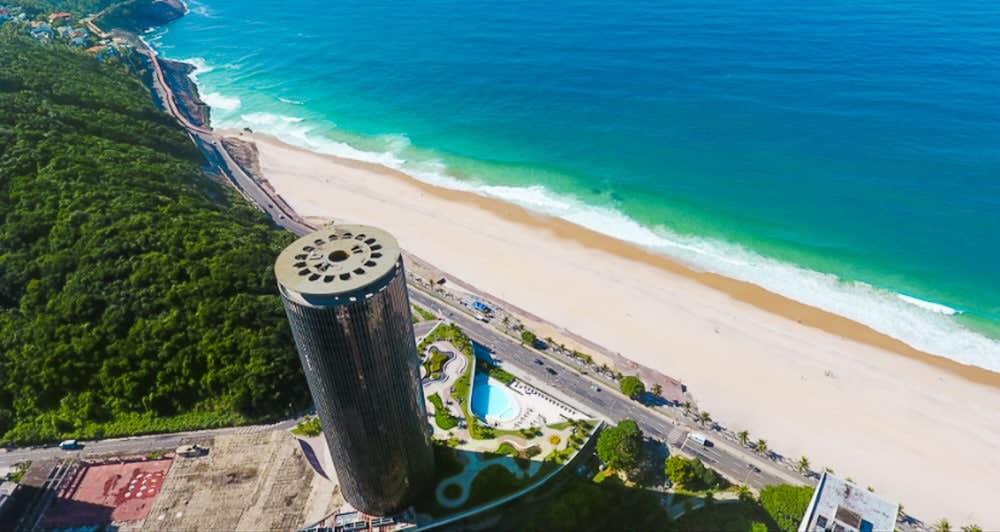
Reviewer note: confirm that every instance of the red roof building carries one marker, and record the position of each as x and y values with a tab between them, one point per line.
62	15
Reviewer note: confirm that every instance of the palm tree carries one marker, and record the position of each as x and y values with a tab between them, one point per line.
744	437
657	390
972	528
704	417
687	408
762	447
942	526
803	464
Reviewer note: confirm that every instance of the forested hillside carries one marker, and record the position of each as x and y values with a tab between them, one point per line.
44	7
135	293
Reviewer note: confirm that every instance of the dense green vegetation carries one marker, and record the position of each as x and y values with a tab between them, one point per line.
136	295
44	7
786	504
779	507
137	15
692	474
633	387
581	505
620	446
310	426
743	516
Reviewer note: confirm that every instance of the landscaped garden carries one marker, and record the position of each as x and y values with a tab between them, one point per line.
435	362
442	418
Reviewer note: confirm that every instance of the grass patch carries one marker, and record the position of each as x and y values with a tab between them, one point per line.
308	427
442	418
508	449
421	314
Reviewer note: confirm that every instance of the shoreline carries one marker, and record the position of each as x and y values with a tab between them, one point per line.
810	382
743	291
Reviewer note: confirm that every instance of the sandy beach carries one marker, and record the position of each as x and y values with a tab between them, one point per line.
919	429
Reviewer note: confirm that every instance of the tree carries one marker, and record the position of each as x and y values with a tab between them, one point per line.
687	408
704	417
528	337
633	387
620	447
762	447
744	437
692	473
972	528
942	526
803	464
657	390
678	469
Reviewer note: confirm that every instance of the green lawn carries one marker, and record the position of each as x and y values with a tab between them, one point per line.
420	314
442	418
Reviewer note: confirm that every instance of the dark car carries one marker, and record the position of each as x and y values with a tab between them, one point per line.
539	362
551	371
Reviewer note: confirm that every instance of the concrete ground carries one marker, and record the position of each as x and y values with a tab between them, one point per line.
259	481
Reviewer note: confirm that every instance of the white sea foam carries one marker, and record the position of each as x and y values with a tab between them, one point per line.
289	101
927	326
929	305
221	101
200	67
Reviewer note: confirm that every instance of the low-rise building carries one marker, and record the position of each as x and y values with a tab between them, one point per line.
838	505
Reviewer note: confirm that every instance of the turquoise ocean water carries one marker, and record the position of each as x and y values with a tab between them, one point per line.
846	155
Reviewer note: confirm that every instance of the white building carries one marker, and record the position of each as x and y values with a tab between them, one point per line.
841	506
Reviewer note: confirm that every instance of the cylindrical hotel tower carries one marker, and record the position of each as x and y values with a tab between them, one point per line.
344	290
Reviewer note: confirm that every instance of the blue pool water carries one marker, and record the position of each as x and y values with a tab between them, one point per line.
492	401
843	154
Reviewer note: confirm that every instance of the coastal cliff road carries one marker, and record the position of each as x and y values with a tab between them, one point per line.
134	445
595	399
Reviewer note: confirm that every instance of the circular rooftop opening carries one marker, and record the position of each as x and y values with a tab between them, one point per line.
338	256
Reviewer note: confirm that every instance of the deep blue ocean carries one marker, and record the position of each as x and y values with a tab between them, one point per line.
845	153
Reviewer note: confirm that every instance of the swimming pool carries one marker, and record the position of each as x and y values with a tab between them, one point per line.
492	401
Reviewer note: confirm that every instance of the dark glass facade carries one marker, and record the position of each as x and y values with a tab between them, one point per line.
361	364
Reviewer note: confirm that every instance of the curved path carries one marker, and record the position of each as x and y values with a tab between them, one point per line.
473	466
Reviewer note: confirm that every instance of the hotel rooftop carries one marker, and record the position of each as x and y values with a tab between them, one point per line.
841	506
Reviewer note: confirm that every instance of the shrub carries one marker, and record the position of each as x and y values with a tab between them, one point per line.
309	427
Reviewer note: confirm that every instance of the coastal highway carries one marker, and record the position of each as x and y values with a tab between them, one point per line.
133	445
740	465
